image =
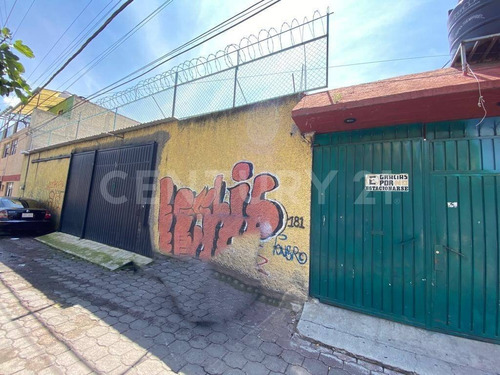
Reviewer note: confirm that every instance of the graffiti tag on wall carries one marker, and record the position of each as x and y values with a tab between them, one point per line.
55	200
205	223
289	252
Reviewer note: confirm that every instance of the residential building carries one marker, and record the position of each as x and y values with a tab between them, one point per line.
50	117
15	137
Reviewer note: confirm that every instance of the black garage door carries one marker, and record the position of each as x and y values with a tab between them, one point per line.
104	201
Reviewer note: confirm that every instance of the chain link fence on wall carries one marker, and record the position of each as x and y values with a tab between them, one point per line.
268	65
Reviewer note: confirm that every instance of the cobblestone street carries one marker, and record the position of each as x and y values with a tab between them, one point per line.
62	315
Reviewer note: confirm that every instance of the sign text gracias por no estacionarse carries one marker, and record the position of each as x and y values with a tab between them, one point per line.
387	182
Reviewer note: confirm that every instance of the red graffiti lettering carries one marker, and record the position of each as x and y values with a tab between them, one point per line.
204	224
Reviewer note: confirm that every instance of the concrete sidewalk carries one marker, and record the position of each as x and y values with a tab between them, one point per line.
397	345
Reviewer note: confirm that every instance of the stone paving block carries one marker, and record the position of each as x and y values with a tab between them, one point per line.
119	347
234	372
108	339
78	369
38	363
215	350
337	371
174	361
331	360
315	366
12	366
255	368
97	331
108	363
150	367
235	360
297	370
179	347
196	356
370	366
217	367
193	370
271	348
200	342
217	338
355	369
274	363
255	355
292	357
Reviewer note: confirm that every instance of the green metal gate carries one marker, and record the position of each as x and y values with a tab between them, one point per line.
428	256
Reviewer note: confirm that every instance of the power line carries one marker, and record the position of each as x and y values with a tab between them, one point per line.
239	15
11	9
96	33
22	20
76	41
447	73
58	40
117	84
104	54
231	19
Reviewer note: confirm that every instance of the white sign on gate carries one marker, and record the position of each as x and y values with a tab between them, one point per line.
387	182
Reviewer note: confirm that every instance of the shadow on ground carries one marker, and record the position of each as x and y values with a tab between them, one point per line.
179	311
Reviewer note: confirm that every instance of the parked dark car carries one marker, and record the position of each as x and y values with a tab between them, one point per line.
24	215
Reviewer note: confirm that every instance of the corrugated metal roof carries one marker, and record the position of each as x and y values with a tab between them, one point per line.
42	99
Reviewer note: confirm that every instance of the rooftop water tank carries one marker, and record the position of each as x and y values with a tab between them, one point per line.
472	19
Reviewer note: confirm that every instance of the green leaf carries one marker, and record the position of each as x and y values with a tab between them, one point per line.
24	49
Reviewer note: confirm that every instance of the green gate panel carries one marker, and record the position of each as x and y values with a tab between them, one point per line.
428	257
370	245
465	192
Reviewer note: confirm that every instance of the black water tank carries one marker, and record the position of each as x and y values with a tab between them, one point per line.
472	19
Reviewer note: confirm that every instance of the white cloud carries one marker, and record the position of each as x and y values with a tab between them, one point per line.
11	101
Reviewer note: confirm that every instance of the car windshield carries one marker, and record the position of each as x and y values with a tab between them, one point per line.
19	203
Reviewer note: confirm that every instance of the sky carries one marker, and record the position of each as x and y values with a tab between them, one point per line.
362	33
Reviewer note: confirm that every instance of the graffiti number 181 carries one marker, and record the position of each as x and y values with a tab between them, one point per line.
295	222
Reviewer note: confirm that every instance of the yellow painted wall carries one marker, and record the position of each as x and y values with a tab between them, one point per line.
193	152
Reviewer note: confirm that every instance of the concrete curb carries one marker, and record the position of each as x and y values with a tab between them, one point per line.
108	257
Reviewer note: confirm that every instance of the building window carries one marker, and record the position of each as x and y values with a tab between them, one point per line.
6	150
8	189
13	147
11	129
23	123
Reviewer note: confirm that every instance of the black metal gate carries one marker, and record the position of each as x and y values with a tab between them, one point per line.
104	201
77	193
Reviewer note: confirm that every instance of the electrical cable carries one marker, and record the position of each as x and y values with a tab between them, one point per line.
71	47
59	39
22	20
231	19
481	102
104	54
96	33
11	9
448	73
116	85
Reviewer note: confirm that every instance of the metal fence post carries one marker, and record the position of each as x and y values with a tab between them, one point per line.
236	78
175	93
305	68
327	42
78	125
114	120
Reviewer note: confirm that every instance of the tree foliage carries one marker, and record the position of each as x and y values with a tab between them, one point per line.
11	70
